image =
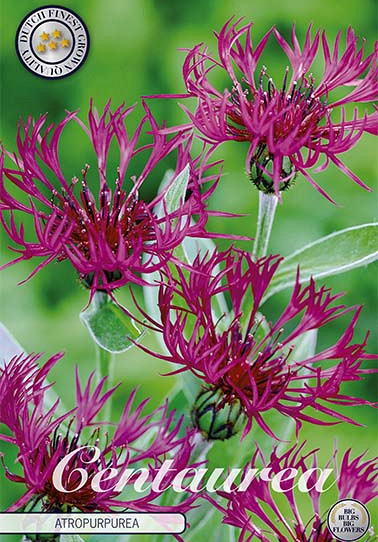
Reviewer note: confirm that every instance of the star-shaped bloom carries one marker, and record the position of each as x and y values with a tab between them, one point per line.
41	48
44	36
246	364
53	45
56	34
110	234
65	43
289	127
43	437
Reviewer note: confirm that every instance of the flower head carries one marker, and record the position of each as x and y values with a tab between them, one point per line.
44	435
289	126
246	363
262	517
104	228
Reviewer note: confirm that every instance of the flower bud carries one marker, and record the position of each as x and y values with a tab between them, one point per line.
261	162
217	416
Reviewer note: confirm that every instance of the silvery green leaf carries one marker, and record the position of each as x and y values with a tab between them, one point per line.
176	192
70	538
194	246
187	251
305	346
110	327
336	253
233	533
9	346
62	538
200	518
168	176
150	294
191	386
173	197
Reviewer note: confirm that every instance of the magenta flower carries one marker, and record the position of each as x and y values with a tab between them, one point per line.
248	367
110	235
44	438
261	516
289	127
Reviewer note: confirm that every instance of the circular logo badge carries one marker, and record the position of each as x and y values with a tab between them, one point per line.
52	42
348	520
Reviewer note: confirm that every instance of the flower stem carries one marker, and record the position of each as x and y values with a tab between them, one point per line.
201	448
267	209
105	367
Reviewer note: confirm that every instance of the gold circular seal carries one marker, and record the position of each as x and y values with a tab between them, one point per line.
52	42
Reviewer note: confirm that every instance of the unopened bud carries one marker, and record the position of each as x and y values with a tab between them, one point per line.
217	416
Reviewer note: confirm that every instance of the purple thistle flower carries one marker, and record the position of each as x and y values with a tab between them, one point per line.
245	365
44	438
262	517
105	236
289	129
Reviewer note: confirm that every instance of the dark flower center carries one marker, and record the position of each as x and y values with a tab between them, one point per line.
115	219
288	110
269	363
280	115
255	363
84	498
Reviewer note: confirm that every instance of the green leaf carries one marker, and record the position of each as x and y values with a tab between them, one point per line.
173	197
191	386
197	245
9	346
305	346
336	253
62	538
175	194
187	251
194	246
70	538
168	176
199	520
151	294
178	400
110	327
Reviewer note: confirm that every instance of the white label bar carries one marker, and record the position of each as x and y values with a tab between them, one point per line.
125	523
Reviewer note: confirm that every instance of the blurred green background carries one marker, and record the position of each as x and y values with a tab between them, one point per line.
134	51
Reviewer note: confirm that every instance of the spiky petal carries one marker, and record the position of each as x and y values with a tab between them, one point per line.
44	436
261	514
287	126
102	226
251	360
